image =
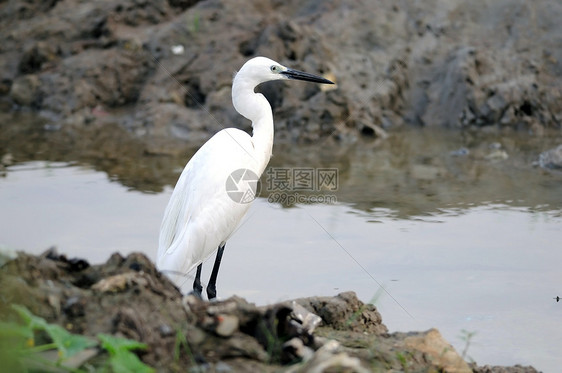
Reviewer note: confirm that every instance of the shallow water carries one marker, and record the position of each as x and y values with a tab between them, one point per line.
434	236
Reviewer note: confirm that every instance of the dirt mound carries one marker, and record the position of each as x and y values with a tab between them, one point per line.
128	297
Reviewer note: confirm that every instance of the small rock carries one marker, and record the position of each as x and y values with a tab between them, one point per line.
440	352
228	324
500	369
295	349
497	155
551	158
24	91
196	336
330	346
222	307
165	330
308	319
177	49
222	367
346	312
327	358
119	282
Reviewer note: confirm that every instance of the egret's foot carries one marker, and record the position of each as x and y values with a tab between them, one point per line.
211	292
212	286
197	290
197	287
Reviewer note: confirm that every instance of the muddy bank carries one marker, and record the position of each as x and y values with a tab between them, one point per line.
162	70
127	297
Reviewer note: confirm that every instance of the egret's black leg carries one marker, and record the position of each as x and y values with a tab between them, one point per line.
212	287
197	287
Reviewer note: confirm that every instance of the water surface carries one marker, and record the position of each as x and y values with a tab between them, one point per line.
460	231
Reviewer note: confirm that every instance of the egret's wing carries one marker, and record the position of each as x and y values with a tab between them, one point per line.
174	219
200	214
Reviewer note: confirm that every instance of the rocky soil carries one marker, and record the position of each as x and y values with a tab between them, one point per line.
162	69
127	297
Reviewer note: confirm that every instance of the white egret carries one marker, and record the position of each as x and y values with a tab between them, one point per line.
201	215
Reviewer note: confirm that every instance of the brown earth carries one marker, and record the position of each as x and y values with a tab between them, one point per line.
128	297
162	70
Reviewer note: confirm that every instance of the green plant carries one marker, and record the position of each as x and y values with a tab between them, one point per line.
272	343
22	345
466	336
121	359
403	361
194	25
182	341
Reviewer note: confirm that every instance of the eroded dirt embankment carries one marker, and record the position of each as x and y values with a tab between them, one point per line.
128	297
162	70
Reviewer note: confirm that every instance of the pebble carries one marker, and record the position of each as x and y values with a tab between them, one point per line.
228	324
551	158
165	330
461	152
298	349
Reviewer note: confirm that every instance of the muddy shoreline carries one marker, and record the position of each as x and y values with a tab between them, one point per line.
161	71
127	297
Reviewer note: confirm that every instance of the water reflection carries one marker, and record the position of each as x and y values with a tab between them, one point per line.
413	172
106	148
417	172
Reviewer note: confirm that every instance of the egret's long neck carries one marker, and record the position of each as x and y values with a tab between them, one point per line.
254	106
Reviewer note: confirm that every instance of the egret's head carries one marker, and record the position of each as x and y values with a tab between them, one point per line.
261	69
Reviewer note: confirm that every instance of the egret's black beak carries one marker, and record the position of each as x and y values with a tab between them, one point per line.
301	75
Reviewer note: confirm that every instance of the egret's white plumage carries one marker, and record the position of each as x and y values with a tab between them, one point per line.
201	216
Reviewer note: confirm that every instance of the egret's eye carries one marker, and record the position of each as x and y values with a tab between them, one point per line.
275	69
